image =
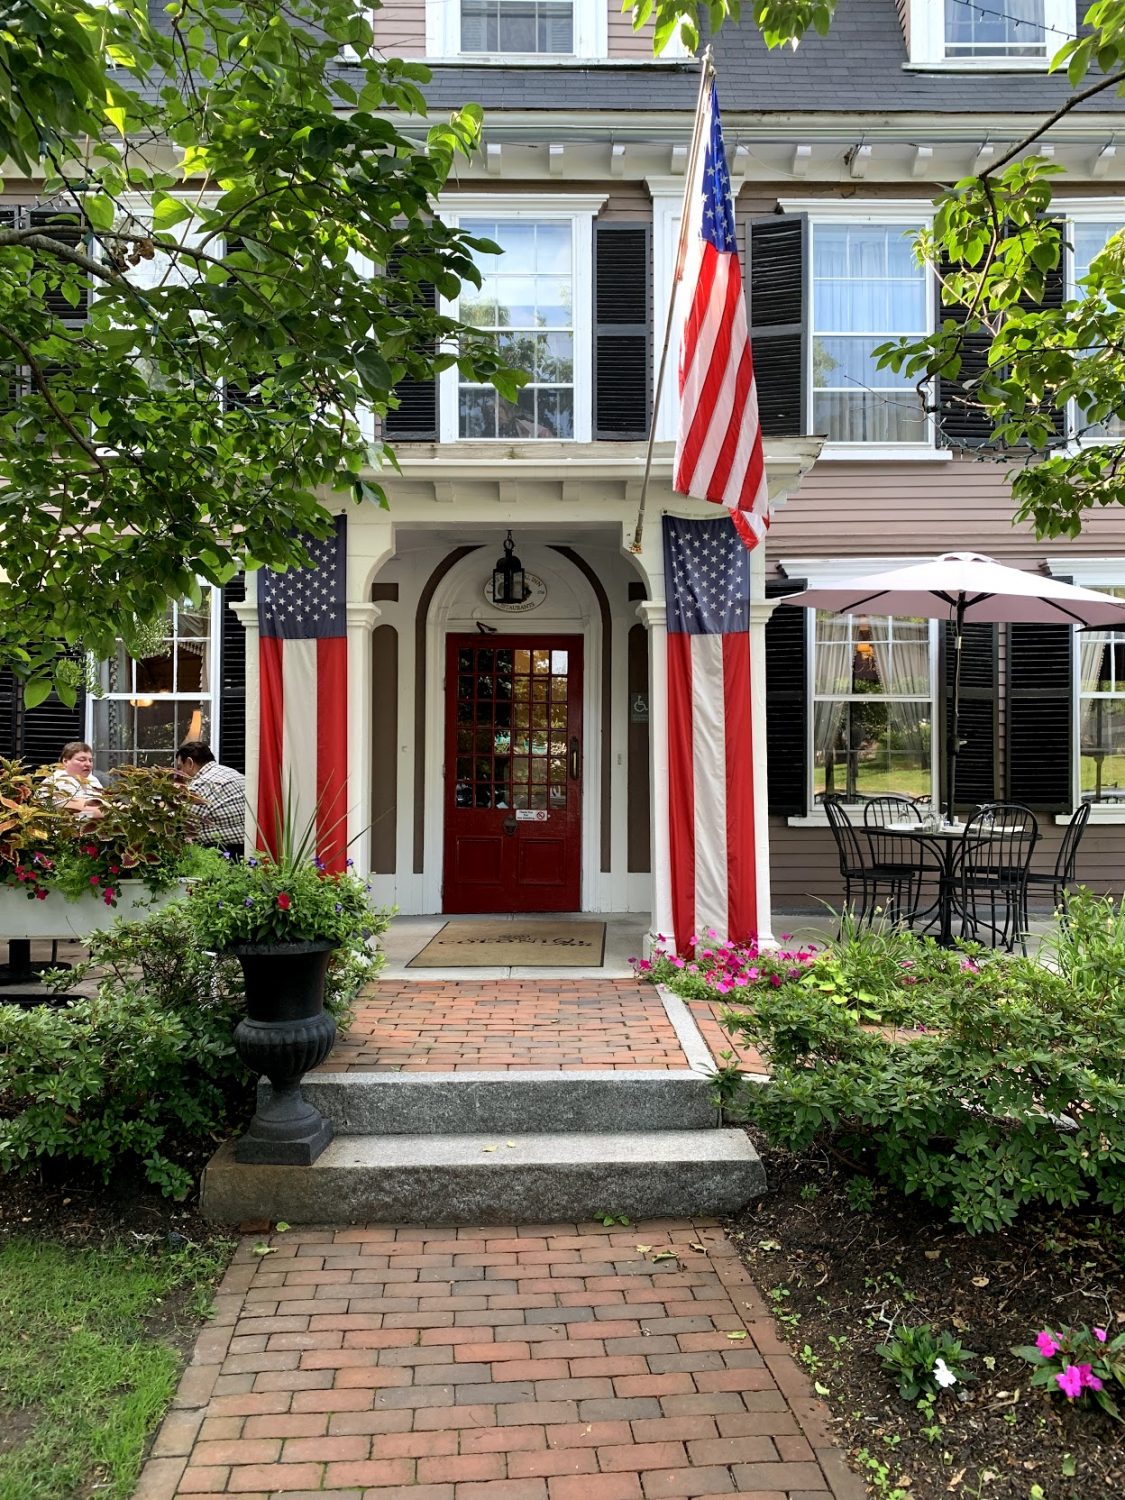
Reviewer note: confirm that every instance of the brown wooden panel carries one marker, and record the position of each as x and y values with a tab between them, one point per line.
638	801
384	749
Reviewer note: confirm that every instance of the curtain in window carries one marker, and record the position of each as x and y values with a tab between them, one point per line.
903	665
832	675
1092	646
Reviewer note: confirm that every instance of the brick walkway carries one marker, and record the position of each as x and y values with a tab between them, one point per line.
458	1026
548	1363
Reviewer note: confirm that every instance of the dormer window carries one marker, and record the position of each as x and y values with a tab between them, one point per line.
1019	30
517	26
1020	34
516	31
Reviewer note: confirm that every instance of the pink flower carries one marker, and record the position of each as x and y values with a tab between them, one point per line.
1100	1335
1070	1381
644	966
753	973
40	895
1089	1379
775	980
676	961
1046	1345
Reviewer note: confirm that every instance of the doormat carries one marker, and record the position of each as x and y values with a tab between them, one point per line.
526	944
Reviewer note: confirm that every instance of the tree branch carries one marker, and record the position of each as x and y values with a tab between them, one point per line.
1059	114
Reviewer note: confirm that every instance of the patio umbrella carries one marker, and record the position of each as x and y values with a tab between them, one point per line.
961	586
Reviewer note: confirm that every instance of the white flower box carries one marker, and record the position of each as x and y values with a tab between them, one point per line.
56	917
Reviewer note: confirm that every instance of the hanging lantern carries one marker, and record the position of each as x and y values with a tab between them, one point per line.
509	586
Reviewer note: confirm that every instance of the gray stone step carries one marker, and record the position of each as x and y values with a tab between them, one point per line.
467	1103
482	1179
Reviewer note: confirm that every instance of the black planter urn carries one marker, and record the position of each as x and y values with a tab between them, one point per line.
285	1034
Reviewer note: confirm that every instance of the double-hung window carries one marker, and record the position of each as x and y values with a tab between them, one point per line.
1002	34
867	288
873	696
148	705
1088	238
1017	28
517	26
1101	712
500	30
535	297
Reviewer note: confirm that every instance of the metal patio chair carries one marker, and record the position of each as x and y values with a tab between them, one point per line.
991	870
875	884
1059	880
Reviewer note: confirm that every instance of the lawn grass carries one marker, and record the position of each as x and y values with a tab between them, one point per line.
89	1359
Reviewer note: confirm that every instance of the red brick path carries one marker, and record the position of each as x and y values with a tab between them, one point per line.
550	1363
460	1026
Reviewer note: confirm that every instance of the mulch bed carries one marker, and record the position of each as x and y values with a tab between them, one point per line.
838	1279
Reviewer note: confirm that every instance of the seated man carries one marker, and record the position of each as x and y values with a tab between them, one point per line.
222	792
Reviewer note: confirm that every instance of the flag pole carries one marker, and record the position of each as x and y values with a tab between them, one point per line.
706	73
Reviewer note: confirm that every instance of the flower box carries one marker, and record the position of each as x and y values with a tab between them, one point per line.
56	917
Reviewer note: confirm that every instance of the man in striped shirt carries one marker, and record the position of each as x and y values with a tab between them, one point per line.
222	792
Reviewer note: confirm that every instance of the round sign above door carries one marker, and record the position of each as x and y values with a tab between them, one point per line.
537	593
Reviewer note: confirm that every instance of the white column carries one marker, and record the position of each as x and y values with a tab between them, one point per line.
654	614
760	610
361	620
247	613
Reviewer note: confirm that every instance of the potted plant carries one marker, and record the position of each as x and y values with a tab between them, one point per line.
282	918
67	874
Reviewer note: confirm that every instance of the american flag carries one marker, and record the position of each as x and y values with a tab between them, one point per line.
710	753
719	448
303	667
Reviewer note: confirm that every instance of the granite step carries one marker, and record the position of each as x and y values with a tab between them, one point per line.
601	1100
560	1177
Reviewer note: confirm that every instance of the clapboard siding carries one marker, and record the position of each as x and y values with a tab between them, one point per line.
400	29
623	40
919	509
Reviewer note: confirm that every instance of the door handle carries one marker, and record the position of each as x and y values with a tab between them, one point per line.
509	825
575	750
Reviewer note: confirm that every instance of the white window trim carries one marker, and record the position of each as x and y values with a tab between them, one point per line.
823	572
667	213
1083	211
909	214
579	210
927	41
1087	573
443	36
214	679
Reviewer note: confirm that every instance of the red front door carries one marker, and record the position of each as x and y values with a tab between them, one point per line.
513	773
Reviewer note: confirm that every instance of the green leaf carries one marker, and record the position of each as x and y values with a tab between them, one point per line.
36	691
168	211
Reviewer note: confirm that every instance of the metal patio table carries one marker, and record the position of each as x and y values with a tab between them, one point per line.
944	842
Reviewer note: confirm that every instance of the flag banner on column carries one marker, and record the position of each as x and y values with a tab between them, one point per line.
710	745
303	693
719	445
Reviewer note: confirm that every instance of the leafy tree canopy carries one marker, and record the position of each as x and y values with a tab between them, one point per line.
994	243
192	318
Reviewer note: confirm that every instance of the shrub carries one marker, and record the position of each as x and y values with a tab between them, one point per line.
145	1071
1013	1095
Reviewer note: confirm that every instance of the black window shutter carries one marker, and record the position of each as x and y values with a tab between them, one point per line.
787	703
622	330
978	764
9	697
778	250
41	732
65	228
415	419
1040	715
961	424
232	678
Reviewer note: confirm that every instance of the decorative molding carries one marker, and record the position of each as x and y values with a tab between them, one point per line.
361	614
